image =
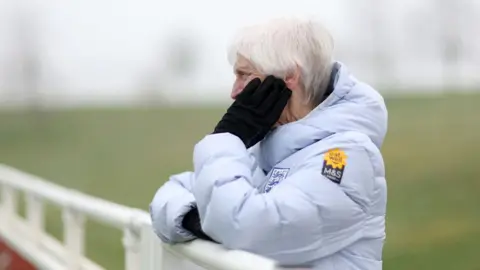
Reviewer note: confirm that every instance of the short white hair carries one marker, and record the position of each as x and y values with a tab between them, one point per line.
279	46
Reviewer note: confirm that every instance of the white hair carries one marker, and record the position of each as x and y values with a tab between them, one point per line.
279	46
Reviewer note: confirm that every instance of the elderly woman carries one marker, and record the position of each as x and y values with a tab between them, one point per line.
293	170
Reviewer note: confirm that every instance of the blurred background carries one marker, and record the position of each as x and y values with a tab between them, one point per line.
109	97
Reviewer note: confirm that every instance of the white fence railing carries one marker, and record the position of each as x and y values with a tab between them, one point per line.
143	250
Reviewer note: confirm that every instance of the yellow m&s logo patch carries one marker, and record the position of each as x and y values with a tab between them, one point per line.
334	164
336	158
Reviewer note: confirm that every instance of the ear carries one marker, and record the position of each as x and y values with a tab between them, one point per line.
292	80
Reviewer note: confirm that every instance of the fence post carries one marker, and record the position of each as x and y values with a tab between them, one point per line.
74	236
154	255
171	261
131	243
148	250
35	216
9	203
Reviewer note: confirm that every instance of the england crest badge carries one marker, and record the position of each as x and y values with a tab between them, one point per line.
277	175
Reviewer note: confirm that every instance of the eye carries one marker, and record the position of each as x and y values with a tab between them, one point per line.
241	74
244	76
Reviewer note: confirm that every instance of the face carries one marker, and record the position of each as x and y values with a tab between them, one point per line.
245	72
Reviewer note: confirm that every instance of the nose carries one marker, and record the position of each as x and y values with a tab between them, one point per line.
236	90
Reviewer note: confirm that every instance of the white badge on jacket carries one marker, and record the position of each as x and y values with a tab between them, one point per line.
277	175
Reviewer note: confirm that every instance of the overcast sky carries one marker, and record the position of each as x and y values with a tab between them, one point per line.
94	48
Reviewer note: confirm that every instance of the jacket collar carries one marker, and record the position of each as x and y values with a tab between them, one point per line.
292	137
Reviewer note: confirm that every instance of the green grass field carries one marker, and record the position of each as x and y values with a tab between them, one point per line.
124	155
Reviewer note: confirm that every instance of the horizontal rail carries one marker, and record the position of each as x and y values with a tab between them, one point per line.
203	253
104	211
208	254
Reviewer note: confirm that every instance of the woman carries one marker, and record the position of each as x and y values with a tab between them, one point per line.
293	170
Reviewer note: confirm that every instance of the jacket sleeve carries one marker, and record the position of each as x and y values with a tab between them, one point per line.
168	207
304	218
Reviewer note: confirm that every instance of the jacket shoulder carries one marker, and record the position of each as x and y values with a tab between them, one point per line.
348	141
354	163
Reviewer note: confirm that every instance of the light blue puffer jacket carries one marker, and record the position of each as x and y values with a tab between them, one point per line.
311	194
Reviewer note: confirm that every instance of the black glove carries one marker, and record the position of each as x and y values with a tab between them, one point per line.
191	223
255	110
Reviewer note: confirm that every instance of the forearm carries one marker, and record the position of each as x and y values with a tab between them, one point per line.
170	204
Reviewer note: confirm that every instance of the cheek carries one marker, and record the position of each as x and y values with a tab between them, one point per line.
284	117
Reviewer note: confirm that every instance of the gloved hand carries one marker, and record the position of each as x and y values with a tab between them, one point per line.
255	110
191	223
